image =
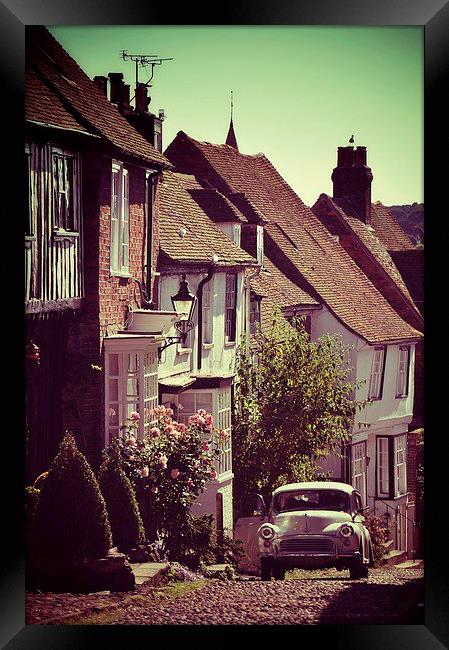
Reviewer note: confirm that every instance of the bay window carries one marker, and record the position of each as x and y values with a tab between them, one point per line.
218	403
377	374
119	219
131	385
402	379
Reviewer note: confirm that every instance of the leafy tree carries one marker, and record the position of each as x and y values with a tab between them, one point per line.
121	503
294	404
71	517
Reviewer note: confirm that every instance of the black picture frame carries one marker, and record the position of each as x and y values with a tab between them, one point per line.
433	15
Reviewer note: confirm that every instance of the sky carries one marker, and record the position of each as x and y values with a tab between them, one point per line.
299	93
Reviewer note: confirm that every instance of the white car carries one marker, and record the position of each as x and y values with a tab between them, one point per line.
310	526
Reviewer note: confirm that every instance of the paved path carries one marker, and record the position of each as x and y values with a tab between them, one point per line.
389	595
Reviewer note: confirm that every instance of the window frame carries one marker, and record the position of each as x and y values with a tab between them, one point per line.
208	313
230	313
381	374
406	379
386	478
393	479
362	491
75	176
121	231
260	253
32	216
397	439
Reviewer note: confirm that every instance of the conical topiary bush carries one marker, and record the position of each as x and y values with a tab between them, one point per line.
71	517
121	503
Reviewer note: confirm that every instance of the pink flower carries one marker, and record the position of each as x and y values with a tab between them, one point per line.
209	420
163	461
182	428
190	483
155	432
131	440
174	473
193	419
202	412
213	475
205	446
134	416
170	429
145	471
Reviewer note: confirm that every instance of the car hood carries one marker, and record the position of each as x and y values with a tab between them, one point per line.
299	522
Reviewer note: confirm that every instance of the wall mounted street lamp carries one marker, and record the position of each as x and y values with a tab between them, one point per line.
184	304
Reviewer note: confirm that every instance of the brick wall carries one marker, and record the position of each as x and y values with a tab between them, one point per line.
106	298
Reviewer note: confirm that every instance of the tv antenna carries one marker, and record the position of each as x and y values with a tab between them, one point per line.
143	61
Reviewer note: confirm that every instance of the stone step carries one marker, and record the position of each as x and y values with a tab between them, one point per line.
395	557
148	572
410	564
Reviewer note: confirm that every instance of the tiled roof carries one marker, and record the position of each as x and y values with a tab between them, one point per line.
388	230
44	107
217	206
367	236
298	235
200	237
277	290
81	97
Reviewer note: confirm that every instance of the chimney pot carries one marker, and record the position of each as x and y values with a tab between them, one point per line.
360	157
142	99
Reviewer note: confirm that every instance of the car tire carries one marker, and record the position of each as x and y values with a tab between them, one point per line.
265	570
355	568
279	573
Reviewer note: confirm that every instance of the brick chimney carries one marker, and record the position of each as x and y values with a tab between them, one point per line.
352	180
102	83
117	87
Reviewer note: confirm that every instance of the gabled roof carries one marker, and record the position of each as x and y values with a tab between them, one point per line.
388	230
299	236
368	239
80	97
187	234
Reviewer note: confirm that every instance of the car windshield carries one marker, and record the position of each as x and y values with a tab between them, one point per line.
311	500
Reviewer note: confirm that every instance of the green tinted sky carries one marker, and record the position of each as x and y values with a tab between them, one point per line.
299	92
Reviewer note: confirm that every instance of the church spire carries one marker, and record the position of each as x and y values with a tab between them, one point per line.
231	140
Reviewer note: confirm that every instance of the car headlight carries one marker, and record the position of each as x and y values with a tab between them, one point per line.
346	530
267	531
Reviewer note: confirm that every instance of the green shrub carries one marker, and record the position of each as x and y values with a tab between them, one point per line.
378	537
71	517
123	511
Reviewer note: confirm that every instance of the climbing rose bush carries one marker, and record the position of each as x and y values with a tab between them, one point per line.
171	467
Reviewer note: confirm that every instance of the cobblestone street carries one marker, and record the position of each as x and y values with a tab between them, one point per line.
388	596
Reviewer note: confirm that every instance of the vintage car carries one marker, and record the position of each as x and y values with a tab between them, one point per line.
308	525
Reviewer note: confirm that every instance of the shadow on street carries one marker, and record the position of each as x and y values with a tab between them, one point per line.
365	603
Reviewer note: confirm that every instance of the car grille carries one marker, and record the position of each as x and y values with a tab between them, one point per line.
307	545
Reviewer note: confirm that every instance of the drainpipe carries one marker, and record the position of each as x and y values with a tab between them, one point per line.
199	294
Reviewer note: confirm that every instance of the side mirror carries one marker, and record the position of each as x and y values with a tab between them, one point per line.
260	509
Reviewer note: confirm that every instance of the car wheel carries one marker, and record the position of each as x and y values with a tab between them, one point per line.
279	573
364	571
355	568
265	570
